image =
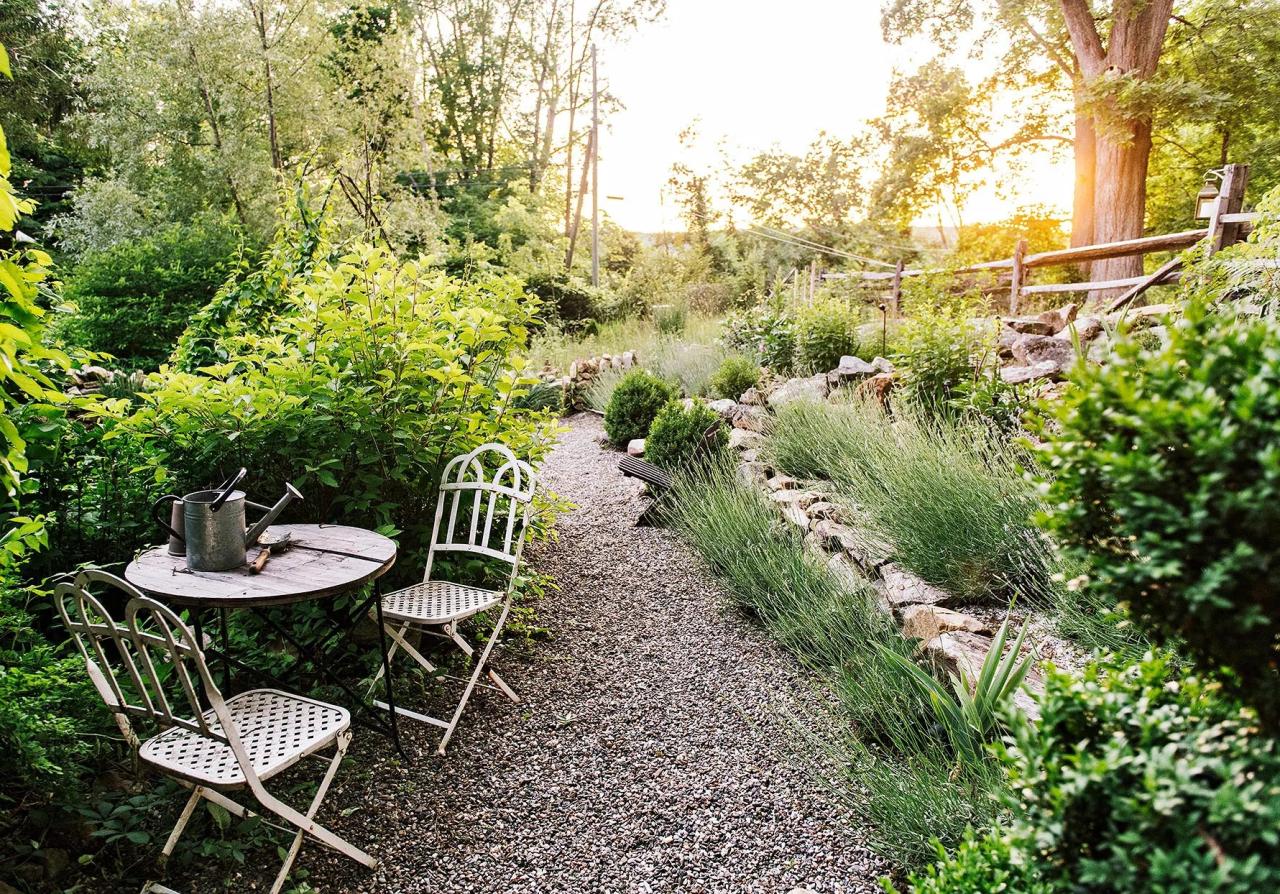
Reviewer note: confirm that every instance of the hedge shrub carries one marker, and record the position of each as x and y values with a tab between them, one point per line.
634	405
1135	780
134	299
1164	476
677	431
763	333
735	376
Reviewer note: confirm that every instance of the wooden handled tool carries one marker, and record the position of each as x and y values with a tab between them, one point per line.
264	554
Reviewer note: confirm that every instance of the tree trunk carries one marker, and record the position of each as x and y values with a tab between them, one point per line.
1085	151
1120	198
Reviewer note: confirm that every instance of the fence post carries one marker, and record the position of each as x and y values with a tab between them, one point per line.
1015	284
895	296
1230	201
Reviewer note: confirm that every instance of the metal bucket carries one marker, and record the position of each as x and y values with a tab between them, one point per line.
215	538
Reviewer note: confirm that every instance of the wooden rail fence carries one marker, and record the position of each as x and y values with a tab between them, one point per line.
1228	224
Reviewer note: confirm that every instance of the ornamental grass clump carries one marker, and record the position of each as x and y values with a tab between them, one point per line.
904	777
948	495
634	404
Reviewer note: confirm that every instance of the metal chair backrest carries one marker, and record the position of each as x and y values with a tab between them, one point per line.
148	667
481	513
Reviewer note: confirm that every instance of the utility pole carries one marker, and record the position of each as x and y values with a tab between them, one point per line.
595	173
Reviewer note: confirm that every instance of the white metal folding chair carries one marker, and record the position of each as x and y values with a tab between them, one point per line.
487	517
238	743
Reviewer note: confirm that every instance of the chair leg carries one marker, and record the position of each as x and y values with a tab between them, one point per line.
185	817
469	650
344	740
475	676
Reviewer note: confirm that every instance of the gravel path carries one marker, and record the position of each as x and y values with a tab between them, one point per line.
654	752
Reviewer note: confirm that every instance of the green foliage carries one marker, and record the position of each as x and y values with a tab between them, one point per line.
565	303
973	713
735	376
684	364
678	431
542	396
935	350
134	299
763	333
1136	779
373	375
253	298
947	495
634	404
1166	482
979	864
669	318
825	332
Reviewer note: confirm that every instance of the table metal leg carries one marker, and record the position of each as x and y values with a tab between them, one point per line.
386	672
226	650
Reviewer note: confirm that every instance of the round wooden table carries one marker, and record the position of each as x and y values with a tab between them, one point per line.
321	561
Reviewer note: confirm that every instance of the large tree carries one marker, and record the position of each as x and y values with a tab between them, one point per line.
1105	54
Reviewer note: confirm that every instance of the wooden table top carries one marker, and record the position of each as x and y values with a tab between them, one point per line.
323	561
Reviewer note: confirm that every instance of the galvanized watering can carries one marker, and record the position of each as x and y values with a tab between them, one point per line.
213	524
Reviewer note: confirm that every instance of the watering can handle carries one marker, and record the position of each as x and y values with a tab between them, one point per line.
227	487
159	517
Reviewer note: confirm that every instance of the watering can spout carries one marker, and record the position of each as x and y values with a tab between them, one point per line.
290	494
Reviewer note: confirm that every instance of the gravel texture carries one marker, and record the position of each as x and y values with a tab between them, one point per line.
656	748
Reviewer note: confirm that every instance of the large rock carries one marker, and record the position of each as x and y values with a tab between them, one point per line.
724	408
636	447
753	473
869	553
750	418
1028	325
1029	350
903	588
752	397
850	370
959	652
924	622
782	482
801	498
796	516
1061	318
883	365
1140	317
1017	375
1086	329
628	359
741	439
812	388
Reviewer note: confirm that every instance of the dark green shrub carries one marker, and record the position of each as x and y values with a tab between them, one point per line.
677	431
134	299
1135	780
1164	476
825	332
565	303
765	334
735	376
542	396
634	404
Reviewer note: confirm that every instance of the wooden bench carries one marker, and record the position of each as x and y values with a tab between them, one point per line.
661	479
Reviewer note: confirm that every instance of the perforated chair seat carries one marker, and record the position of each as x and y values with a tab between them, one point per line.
276	728
438	602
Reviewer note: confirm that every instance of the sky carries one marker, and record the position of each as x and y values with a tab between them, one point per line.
754	74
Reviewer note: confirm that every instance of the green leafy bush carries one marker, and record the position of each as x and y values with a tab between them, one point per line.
1135	780
736	375
1163	475
565	303
934	355
374	374
677	431
979	865
825	332
634	404
763	333
669	318
135	298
